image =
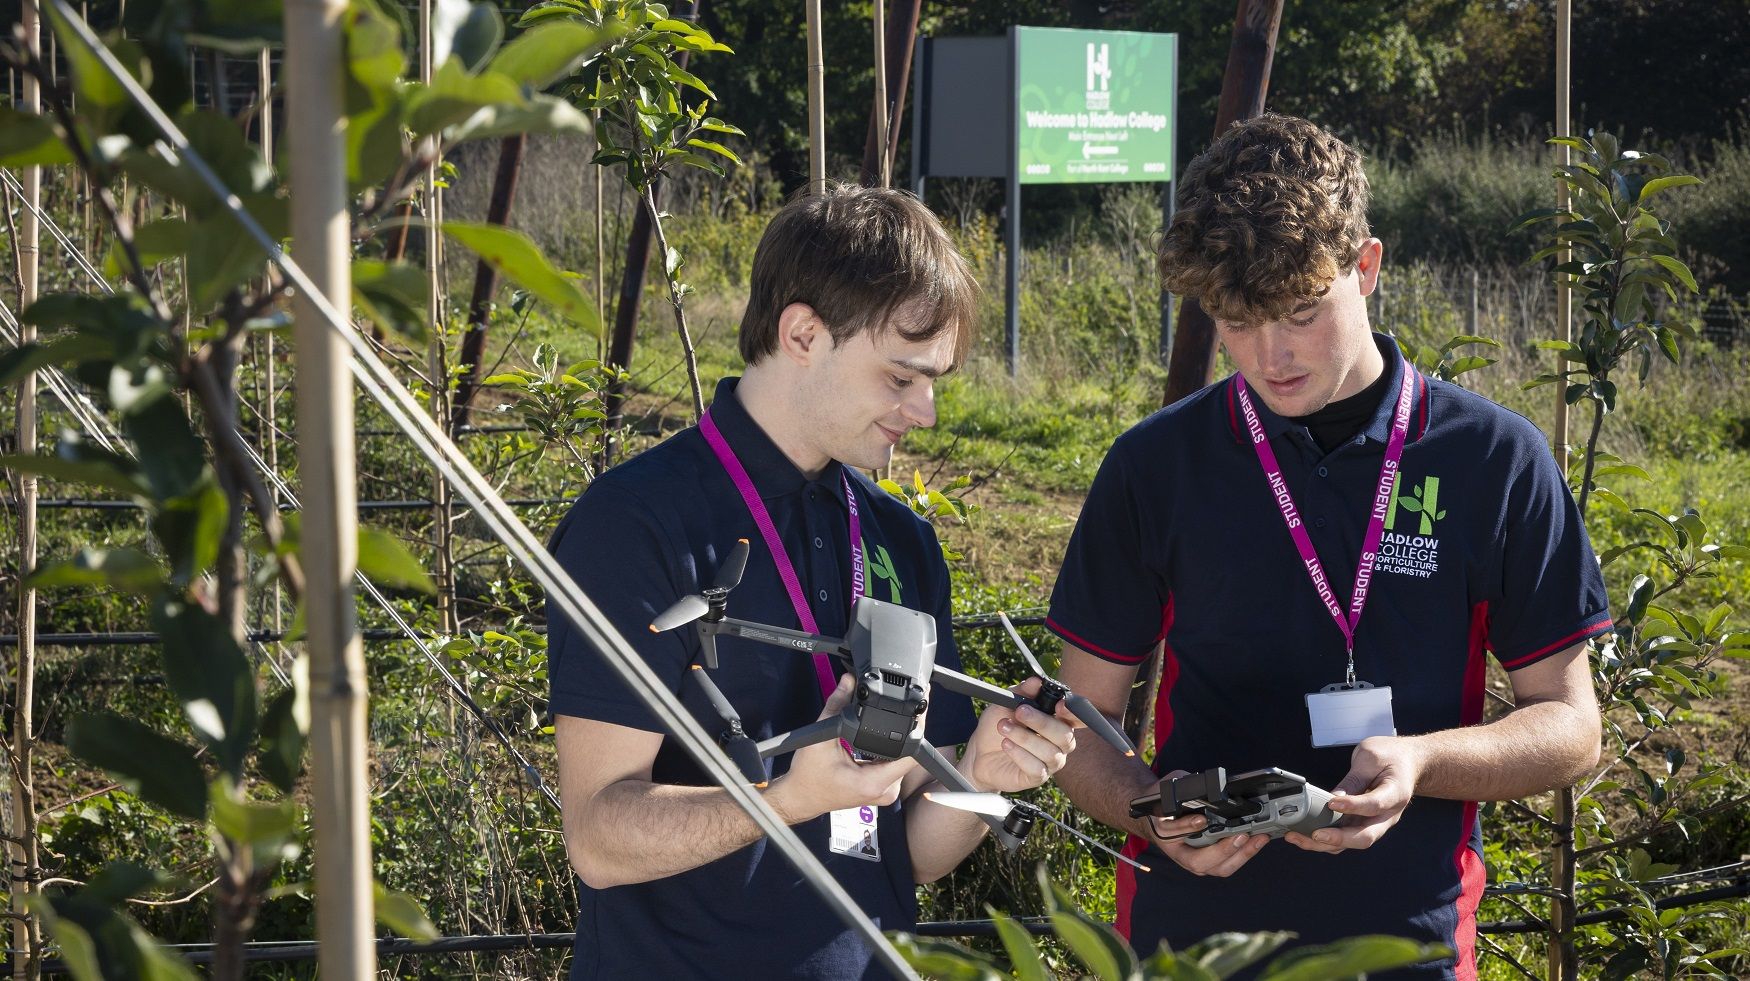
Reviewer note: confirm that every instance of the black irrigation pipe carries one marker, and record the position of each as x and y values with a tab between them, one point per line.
1736	890
128	638
263	951
303	950
74	503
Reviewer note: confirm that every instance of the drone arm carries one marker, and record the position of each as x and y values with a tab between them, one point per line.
796	640
966	684
939	767
815	732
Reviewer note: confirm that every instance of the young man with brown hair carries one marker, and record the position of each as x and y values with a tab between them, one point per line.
858	303
1327	517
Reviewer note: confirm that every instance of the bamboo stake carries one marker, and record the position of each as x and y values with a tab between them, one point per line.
882	119
816	103
601	282
340	801
26	932
1563	959
269	409
442	518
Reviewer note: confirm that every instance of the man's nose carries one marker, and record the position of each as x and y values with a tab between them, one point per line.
919	407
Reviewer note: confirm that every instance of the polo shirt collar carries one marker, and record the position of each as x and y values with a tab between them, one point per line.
774	474
1378	428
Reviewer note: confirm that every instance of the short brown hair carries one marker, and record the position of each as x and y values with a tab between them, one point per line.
1268	216
858	256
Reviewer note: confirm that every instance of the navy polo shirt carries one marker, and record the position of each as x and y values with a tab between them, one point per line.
1181	540
652	530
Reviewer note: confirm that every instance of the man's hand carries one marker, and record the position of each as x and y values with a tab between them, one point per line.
1019	749
1223	858
824	778
1382	778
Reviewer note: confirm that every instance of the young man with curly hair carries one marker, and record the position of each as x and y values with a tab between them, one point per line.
857	302
1328	517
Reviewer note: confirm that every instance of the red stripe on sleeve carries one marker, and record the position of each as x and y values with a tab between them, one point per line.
1595	627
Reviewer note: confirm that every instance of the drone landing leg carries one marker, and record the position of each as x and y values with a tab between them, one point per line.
795	739
939	767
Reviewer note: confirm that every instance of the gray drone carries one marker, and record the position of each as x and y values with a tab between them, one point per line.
891	652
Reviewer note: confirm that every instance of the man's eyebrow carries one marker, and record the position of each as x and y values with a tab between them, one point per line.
918	365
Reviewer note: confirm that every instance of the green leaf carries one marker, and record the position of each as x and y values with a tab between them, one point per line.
940	960
124	569
171	457
454	95
1676	268
517	257
20	361
716	148
546	52
224	254
150	765
1225	954
401	913
211	677
94	87
1347	958
156	241
98	467
190	528
284	727
394	295
254	823
1658	184
1023	951
540	114
28	140
1640	594
478	36
78	952
1095	943
385	561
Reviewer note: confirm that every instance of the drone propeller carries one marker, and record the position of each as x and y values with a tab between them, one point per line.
708	604
741	749
999	807
685	610
1053	691
729	573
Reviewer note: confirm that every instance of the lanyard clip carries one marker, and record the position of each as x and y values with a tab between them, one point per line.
1349	680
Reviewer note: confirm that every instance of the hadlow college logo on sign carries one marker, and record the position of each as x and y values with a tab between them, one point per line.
1099	89
1409	546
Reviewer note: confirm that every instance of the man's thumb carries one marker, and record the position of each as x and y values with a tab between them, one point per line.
840	697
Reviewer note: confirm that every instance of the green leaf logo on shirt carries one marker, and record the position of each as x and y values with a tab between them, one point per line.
1424	501
881	567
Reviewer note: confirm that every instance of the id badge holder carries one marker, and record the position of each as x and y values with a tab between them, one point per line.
854	832
1346	713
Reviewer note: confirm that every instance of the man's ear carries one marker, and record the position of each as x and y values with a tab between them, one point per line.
802	336
1367	264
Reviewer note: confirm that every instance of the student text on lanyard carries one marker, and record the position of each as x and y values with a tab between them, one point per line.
769	532
1388	471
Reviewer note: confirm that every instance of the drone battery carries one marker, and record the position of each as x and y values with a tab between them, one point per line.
1343	715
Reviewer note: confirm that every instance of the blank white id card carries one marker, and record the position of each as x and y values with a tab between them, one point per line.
1343	715
854	833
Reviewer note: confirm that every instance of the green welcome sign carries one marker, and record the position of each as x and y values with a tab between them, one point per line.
1094	107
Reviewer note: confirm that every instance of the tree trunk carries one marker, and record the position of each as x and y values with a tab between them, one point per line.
902	33
1243	89
510	163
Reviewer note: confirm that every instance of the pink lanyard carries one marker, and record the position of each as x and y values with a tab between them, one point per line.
768	531
1388	471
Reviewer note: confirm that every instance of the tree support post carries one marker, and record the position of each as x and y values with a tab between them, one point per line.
340	804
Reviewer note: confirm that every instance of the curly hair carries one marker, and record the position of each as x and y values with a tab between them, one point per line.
1268	216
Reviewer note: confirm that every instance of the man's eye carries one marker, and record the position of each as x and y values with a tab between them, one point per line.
898	382
1303	323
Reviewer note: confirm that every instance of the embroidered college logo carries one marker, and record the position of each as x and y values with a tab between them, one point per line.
881	567
1412	551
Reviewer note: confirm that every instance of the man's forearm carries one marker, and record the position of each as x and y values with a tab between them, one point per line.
939	837
636	831
1532	749
1102	783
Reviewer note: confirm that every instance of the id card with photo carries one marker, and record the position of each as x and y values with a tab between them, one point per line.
855	833
1345	714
